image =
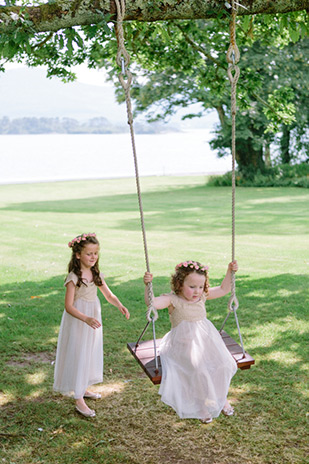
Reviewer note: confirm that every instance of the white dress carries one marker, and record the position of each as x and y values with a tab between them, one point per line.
197	368
79	358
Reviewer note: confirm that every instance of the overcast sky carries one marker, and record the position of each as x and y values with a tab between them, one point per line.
84	74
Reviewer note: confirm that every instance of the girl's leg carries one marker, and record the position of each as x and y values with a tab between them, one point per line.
228	410
82	408
92	395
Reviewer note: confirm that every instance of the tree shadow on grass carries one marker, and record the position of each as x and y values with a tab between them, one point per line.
274	306
270	323
266	211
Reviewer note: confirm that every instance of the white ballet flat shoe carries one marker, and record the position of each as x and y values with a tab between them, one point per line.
228	411
91	412
207	420
92	395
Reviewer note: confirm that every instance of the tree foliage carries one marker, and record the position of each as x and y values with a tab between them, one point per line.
177	63
60	44
278	110
180	63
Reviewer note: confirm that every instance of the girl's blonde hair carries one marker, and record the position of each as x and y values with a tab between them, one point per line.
77	244
182	270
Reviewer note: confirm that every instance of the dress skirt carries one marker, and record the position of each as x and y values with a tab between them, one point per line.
79	358
197	369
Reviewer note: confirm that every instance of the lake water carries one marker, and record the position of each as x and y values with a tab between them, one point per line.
45	158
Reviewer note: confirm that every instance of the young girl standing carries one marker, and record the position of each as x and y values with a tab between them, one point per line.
79	358
196	365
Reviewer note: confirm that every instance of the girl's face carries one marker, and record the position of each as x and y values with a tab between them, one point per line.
193	287
88	256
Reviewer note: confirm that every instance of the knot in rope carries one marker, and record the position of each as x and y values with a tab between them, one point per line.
125	84
152	313
122	57
233	78
233	304
233	57
233	54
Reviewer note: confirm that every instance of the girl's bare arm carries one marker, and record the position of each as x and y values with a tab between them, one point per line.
112	299
225	287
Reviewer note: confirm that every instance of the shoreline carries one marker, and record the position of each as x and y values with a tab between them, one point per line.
49	181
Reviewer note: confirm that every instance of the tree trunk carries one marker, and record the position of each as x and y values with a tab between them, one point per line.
267	154
285	145
249	158
60	14
221	114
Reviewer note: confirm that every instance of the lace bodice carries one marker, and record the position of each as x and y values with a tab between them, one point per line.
85	292
183	310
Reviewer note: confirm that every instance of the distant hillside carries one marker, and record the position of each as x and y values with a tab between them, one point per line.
26	92
96	125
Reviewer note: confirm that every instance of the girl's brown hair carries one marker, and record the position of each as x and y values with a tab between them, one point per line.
183	270
74	264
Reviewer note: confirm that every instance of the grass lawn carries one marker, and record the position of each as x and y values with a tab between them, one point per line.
185	219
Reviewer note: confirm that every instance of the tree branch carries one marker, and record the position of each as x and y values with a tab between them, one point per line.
40	44
207	55
67	13
199	48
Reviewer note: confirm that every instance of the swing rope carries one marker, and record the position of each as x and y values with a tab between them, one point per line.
233	72
125	79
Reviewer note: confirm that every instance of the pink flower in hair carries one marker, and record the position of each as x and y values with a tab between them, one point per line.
80	238
192	265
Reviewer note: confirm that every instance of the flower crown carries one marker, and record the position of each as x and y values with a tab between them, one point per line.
192	265
80	238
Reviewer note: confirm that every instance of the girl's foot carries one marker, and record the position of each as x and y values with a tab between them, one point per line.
92	395
83	409
207	420
227	410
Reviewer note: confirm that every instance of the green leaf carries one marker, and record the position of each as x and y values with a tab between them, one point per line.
165	34
70	46
246	22
61	42
28	48
294	34
78	40
267	19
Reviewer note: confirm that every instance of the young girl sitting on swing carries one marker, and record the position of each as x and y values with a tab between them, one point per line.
197	368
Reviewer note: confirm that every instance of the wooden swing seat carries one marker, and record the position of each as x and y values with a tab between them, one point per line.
144	355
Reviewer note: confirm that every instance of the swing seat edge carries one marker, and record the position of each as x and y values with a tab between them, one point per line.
144	355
